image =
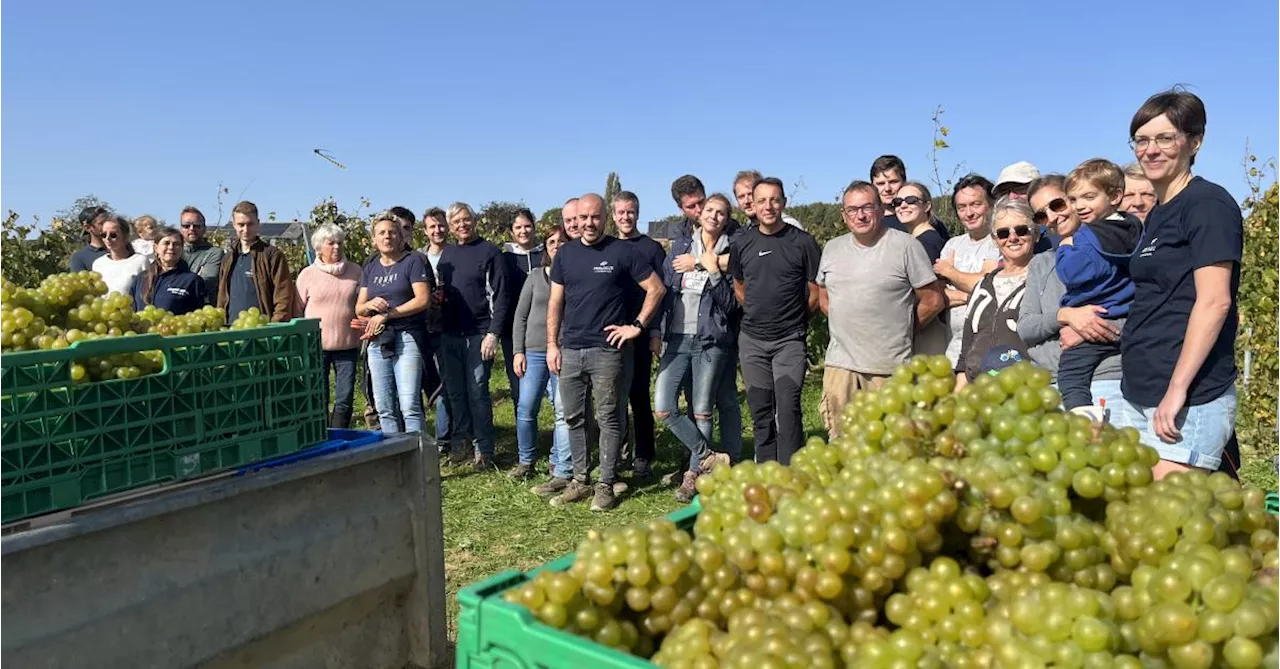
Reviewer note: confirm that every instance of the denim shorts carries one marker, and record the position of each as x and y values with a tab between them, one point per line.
1205	428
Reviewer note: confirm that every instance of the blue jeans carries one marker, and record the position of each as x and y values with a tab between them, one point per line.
684	357
397	383
344	387
466	380
538	381
1206	429
513	381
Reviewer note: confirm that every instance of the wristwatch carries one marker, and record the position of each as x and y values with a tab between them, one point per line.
637	324
698	266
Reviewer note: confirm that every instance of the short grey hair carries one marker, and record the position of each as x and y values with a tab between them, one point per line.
1018	206
457	208
326	232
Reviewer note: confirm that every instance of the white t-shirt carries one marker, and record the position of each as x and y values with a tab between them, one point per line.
968	257
119	275
144	246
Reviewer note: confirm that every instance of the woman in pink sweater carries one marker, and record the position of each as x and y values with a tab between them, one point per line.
328	289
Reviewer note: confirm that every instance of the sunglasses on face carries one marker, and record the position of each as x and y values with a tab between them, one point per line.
1057	206
188	226
111	235
910	199
1017	230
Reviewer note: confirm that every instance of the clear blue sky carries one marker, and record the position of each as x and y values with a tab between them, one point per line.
149	105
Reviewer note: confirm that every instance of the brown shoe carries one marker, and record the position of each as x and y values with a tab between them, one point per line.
551	488
712	461
576	491
688	488
521	471
604	498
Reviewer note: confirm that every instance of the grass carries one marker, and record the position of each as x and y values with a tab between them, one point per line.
493	523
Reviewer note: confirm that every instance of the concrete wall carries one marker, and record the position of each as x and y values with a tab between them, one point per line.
335	562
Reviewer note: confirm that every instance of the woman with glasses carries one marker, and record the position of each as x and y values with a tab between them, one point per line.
1047	327
121	266
914	208
990	336
168	282
1178	358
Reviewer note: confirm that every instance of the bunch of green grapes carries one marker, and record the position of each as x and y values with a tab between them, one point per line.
1056	623
905	415
64	290
250	318
556	599
943	607
787	633
110	314
158	321
1200	608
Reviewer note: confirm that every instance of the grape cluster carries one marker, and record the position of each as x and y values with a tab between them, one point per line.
68	308
979	528
250	318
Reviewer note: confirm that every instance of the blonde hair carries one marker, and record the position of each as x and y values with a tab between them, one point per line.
457	208
1100	172
143	220
723	198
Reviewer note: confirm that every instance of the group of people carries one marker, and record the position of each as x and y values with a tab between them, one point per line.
1122	283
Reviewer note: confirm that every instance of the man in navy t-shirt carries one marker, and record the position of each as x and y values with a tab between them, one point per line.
473	276
587	336
774	268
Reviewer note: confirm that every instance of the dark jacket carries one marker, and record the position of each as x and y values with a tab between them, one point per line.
271	276
520	264
718	312
178	291
1095	265
477	297
990	325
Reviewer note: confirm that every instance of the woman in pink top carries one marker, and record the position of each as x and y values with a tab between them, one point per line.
328	288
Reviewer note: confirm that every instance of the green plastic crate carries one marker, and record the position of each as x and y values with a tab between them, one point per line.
1273	503
223	399
493	633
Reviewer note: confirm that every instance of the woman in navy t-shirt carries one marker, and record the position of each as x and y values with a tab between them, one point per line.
1178	359
394	295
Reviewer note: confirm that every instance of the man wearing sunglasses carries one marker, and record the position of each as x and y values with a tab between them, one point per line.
90	219
202	257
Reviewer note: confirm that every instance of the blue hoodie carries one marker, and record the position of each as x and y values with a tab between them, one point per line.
1094	267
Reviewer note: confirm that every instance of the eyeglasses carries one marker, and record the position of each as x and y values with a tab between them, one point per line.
1017	230
910	199
1057	206
1164	142
868	209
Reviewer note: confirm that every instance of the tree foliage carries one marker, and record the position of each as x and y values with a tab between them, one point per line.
1256	344
496	218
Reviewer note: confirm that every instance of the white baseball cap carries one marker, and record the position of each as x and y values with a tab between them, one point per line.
1021	172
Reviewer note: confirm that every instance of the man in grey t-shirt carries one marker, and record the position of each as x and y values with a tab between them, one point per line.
877	288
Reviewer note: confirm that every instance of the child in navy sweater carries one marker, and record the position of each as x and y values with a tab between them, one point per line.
1093	264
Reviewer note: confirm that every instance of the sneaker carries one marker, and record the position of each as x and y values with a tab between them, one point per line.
520	471
550	488
576	491
688	488
641	469
604	498
714	460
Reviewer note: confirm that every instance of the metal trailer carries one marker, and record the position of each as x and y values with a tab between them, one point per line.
332	562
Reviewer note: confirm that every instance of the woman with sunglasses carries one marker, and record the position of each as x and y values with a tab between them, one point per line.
914	208
168	283
121	266
1178	357
990	326
1044	325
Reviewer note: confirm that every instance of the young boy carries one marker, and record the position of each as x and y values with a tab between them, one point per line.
1093	264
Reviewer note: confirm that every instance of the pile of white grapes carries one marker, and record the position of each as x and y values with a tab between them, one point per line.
67	308
982	528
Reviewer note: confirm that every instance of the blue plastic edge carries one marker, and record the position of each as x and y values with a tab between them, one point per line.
339	440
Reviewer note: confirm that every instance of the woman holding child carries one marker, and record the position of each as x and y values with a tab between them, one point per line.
1179	365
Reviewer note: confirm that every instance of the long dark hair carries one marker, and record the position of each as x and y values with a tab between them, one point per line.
154	269
554	231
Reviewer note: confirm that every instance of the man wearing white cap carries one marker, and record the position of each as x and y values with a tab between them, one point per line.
1015	179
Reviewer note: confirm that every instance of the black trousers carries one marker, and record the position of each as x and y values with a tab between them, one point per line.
637	379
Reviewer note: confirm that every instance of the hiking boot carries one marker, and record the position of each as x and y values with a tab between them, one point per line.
604	498
461	456
576	491
483	463
712	461
688	488
520	471
641	469
550	488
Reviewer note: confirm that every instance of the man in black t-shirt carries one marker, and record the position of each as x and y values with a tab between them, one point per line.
774	268
587	337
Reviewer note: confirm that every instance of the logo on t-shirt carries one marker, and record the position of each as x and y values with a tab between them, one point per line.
603	268
765	253
1150	249
180	292
385	280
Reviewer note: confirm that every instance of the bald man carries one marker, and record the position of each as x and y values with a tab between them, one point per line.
587	337
569	215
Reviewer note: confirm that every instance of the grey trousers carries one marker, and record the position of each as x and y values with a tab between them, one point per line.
585	374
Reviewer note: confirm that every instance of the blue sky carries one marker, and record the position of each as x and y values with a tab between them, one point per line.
150	105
